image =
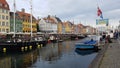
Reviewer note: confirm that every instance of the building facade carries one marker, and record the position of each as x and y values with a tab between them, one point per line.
26	21
4	17
18	23
68	27
48	25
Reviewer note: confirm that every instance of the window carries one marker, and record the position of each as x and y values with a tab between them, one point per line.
2	10
0	29
6	5
6	17
3	30
7	11
7	30
7	24
3	17
3	23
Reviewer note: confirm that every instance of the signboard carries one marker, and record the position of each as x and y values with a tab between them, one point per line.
102	22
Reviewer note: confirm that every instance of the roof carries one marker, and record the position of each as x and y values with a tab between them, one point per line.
80	24
25	16
50	20
68	22
58	19
4	5
12	15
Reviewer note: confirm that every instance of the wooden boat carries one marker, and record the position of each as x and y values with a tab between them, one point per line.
87	45
11	45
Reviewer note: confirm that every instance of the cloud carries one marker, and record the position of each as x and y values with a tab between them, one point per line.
84	11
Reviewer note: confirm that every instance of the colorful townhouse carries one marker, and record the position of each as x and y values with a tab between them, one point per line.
18	23
4	17
80	28
68	27
26	21
49	24
59	25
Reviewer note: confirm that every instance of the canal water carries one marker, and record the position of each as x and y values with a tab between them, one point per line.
53	55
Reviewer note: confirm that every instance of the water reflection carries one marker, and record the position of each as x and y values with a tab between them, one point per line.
18	60
84	52
53	55
50	52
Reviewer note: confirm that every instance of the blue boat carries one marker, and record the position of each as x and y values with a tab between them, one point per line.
84	52
87	45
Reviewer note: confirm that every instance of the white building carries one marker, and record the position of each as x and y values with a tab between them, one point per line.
48	25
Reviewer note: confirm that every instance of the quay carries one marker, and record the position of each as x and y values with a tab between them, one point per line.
108	57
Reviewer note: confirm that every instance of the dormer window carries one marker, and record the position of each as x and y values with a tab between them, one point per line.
6	5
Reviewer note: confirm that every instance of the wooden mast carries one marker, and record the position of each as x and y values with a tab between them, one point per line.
31	17
14	17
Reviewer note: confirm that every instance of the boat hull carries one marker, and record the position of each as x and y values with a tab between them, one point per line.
85	47
84	52
88	45
18	46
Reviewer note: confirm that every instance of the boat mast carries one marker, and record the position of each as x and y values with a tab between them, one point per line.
31	17
14	17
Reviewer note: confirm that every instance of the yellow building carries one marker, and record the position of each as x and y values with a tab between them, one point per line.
26	18
4	17
60	26
68	27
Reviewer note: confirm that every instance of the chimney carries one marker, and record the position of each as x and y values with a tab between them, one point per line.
48	16
23	10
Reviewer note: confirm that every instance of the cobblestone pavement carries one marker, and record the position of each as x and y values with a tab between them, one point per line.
111	58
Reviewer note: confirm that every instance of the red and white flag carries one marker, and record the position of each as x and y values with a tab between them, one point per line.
99	13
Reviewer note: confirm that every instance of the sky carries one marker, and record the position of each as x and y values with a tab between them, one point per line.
77	11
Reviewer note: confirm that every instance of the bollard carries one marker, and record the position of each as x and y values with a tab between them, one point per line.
4	49
26	48
41	45
22	48
30	47
38	46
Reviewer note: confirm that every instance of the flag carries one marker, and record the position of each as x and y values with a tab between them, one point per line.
99	13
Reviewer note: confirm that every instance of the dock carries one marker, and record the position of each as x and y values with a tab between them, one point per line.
108	57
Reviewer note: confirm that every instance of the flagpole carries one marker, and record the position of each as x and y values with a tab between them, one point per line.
97	26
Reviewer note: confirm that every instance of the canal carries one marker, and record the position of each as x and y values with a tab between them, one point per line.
53	55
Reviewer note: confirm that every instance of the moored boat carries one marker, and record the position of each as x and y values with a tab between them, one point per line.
21	44
84	52
87	45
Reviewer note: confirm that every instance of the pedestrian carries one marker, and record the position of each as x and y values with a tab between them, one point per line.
116	34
